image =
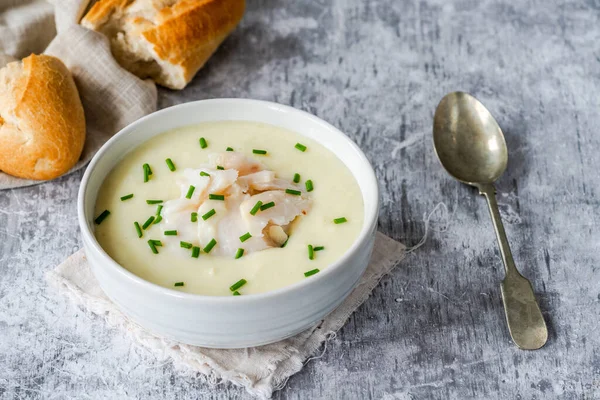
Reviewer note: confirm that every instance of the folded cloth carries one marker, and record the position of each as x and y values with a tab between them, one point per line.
260	370
112	97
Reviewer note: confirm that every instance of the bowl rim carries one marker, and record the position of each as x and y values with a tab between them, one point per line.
369	190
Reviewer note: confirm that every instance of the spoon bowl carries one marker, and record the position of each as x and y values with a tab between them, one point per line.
468	140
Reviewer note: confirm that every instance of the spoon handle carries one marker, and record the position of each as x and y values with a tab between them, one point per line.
523	315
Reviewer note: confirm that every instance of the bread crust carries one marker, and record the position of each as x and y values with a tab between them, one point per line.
179	35
101	11
42	124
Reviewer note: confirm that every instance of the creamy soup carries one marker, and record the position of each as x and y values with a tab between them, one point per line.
228	208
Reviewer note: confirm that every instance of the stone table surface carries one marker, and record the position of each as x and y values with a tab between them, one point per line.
434	328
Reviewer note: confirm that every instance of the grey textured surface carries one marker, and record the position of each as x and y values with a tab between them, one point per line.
435	327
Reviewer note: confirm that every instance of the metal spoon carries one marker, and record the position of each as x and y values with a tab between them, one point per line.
471	147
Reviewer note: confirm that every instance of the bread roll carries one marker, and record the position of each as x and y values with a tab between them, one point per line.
42	126
166	40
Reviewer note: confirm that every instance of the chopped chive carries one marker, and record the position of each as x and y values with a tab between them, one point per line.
170	233
239	253
101	217
190	192
209	214
296	177
210	246
147	172
216	197
311	252
319	248
153	201
179	284
195	251
245	237
158	219
156	242
194	217
203	143
256	207
185	245
229	149
340	220
237	285
152	246
202	173
294	192
258	151
309	185
285	243
267	206
159	209
300	147
138	229
170	164
148	222
311	272
220	168
236	293
127	197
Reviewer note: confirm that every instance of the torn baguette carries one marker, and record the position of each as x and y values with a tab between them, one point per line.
165	40
42	125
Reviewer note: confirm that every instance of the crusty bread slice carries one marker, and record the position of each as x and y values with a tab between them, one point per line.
42	126
166	40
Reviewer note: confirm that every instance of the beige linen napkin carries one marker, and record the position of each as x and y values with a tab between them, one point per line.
112	97
260	370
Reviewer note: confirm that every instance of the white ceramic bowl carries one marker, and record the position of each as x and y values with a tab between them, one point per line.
229	321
